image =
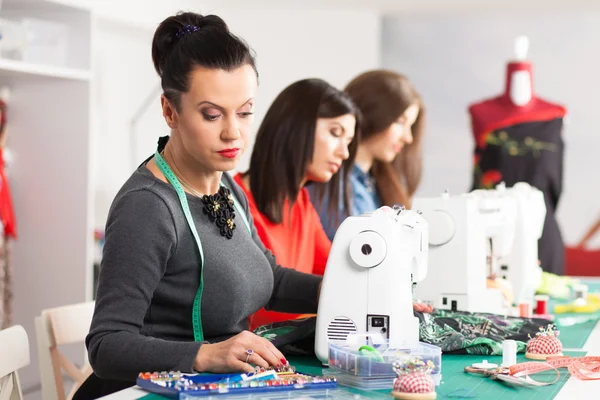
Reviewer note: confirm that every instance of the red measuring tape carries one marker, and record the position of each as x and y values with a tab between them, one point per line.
583	368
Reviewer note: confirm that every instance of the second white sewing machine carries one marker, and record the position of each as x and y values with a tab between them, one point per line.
367	287
520	266
467	235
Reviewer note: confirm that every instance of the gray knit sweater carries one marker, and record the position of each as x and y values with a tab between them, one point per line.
150	274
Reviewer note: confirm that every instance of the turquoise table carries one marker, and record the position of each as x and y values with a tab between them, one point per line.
454	379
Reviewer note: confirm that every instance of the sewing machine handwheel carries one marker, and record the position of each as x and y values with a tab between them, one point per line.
368	249
441	227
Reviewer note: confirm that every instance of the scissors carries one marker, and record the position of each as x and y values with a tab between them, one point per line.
501	374
504	374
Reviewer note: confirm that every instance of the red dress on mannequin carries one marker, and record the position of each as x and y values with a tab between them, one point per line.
7	218
522	144
498	112
7	215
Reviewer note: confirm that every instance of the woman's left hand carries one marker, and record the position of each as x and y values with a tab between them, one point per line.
237	354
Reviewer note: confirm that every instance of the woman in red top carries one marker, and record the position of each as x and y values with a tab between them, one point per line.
308	134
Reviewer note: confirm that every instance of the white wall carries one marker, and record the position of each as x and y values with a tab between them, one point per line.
456	59
125	77
291	44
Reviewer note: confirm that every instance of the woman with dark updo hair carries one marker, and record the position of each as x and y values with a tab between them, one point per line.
183	267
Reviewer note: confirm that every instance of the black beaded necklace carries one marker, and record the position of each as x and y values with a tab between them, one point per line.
219	207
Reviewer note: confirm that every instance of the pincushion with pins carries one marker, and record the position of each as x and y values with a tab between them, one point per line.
414	380
544	344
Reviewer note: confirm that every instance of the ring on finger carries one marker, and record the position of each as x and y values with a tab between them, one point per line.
249	352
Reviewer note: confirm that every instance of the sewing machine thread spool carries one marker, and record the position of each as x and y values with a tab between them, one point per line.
509	353
398	208
541	306
525	310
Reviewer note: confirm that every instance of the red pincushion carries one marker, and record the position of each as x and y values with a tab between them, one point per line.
416	382
544	345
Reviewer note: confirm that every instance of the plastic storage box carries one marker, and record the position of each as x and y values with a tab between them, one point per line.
374	370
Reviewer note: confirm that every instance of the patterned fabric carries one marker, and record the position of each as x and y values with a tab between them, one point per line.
459	332
544	345
454	332
417	382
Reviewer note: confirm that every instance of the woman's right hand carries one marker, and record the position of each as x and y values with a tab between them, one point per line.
231	355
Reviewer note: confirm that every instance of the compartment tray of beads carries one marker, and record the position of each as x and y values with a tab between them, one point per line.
377	360
181	386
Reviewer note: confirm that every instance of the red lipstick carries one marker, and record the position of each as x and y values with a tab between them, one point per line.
229	153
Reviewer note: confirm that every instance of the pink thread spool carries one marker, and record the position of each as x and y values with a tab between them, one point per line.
541	304
525	310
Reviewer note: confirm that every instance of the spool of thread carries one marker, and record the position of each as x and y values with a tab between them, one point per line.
509	353
541	304
525	310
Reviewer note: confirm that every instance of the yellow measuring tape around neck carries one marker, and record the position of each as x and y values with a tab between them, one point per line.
168	173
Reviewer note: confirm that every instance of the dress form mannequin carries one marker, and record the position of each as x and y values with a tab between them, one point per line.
518	103
518	138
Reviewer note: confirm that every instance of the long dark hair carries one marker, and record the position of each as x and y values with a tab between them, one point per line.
285	144
382	97
188	40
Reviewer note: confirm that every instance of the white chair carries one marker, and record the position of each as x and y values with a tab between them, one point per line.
14	355
56	327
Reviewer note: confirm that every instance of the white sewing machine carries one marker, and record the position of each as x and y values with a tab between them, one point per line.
520	266
467	234
368	282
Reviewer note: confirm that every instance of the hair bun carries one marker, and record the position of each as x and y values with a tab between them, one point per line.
176	28
186	41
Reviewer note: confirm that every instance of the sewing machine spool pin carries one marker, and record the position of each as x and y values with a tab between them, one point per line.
398	208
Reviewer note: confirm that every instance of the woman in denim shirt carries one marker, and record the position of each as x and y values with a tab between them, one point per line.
388	164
